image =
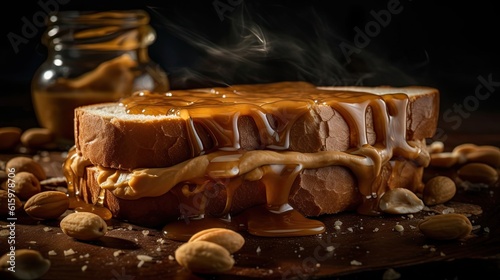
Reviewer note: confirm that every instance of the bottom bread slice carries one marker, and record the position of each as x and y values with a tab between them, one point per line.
315	192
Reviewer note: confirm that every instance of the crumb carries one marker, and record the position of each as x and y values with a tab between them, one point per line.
448	211
171	258
140	264
486	229
145	232
330	248
355	262
84	268
375	229
258	250
337	223
69	252
32	242
442	254
46	229
129	227
117	253
145	258
432	249
52	253
158	249
160	240
391	274
399	228
350	229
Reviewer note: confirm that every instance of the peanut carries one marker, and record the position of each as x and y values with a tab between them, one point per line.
84	226
26	185
435	147
464	149
445	226
439	189
488	156
478	173
5	198
29	264
226	238
47	205
482	154
204	257
36	137
9	137
400	201
27	164
445	160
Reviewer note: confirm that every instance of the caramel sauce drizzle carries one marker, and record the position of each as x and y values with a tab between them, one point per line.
274	108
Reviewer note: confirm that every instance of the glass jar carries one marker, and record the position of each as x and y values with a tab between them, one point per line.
93	57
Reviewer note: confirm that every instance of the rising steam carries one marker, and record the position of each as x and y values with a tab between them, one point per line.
259	49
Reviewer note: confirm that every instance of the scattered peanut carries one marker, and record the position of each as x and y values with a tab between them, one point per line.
485	154
463	149
26	185
439	189
27	164
204	257
36	137
47	205
84	226
445	226
9	137
435	147
469	153
226	238
478	173
29	264
5	198
445	160
400	201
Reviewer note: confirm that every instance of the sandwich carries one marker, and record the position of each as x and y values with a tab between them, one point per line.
267	158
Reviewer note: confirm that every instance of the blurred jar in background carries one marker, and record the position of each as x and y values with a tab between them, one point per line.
93	57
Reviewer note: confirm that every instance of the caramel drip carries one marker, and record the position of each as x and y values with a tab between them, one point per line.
275	109
73	170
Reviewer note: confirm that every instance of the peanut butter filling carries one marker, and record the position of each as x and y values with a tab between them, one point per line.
274	109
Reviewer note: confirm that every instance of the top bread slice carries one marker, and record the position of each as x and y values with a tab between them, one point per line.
108	136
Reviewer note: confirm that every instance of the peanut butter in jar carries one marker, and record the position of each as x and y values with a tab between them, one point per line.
93	57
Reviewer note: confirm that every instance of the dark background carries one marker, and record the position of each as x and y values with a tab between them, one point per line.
447	46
